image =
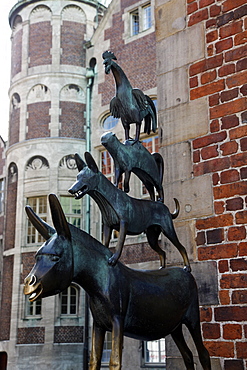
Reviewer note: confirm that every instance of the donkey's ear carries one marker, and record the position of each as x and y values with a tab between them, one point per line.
79	161
58	217
43	228
91	162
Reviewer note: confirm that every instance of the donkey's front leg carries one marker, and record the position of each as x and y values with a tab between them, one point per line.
98	336
117	344
121	238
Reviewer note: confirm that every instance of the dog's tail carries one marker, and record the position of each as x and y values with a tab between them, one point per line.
176	212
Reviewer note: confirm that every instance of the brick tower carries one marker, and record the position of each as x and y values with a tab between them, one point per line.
46	127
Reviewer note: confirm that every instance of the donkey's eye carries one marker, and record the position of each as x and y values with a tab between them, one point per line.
54	258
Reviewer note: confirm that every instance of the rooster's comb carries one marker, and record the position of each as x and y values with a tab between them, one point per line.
108	55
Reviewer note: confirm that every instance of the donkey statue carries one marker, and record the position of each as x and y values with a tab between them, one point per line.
144	305
125	214
129	157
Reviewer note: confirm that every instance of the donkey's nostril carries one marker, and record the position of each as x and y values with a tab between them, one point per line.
32	280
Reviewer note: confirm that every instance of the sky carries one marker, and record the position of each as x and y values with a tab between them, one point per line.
5	45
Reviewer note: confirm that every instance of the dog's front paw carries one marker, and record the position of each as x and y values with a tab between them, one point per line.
112	261
187	268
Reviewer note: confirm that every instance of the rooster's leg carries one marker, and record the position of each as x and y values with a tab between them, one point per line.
138	130
127	132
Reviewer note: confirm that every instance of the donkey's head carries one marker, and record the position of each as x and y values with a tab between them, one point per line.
53	270
87	178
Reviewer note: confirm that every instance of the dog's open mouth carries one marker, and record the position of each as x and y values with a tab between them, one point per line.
79	193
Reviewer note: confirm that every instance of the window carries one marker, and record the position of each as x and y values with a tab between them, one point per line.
147	20
33	309
39	205
109	122
140	19
1	195
73	210
69	301
107	348
134	22
107	167
154	352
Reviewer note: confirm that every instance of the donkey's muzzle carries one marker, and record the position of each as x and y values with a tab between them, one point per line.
32	287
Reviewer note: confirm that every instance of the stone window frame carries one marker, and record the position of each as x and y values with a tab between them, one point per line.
127	16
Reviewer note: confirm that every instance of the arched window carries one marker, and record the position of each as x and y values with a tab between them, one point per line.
108	122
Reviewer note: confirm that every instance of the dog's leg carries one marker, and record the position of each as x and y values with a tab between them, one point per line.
153	233
106	235
169	231
121	238
127	181
118	174
98	336
178	337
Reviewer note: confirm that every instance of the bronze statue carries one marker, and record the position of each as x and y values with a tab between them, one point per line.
137	159
125	214
145	305
131	105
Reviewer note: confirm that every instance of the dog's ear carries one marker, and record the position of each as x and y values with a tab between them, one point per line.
91	162
79	162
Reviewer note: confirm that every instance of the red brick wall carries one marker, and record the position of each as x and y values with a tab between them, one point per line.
14	126
38	120
40	43
72	119
132	58
16	53
222	77
10	213
72	40
28	262
5	313
2	158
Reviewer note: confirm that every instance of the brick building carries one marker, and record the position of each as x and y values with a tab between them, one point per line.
190	57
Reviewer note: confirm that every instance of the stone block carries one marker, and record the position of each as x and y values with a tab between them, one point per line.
194	196
170	18
173	88
177	162
183	122
205	274
180	49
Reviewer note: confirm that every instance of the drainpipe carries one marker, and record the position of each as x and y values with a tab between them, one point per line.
90	78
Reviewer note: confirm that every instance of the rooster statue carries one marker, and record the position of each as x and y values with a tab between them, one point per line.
131	105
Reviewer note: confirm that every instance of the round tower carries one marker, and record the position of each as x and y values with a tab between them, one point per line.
47	121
